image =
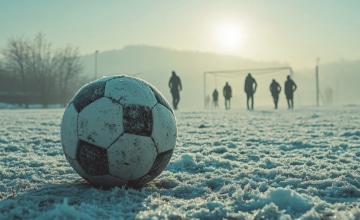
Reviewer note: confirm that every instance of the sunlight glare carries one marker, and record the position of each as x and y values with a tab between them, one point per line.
229	37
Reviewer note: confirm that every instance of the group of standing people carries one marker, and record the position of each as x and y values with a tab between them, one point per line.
250	87
227	93
290	88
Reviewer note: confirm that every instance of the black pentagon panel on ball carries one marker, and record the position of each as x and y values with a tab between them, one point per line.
137	120
88	94
160	98
92	159
158	166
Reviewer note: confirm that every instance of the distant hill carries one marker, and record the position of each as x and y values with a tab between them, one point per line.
154	64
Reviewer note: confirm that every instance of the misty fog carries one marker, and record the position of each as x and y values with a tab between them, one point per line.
155	64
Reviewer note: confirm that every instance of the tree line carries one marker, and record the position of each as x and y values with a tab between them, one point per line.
33	71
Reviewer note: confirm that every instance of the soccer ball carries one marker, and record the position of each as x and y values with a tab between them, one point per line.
117	131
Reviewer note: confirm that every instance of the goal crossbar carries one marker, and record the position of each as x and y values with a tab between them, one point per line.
237	71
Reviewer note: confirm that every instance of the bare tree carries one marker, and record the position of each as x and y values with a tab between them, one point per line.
48	75
16	54
69	72
41	67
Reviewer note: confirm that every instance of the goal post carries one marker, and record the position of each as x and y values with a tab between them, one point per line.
254	71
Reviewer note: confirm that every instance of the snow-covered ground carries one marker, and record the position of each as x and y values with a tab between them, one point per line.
235	164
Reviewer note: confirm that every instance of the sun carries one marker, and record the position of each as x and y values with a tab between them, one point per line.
229	37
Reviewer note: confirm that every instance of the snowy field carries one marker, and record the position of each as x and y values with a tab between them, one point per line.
236	164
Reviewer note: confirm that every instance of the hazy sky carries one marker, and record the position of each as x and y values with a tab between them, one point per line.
293	32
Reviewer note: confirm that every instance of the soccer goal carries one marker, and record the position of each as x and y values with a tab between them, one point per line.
263	76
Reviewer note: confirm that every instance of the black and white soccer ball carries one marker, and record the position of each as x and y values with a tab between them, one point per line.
118	130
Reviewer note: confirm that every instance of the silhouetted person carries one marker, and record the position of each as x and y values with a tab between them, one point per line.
227	95
215	96
275	89
250	88
290	88
175	88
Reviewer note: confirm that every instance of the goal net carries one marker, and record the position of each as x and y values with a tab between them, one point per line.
236	78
